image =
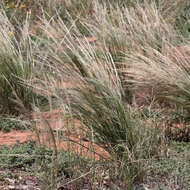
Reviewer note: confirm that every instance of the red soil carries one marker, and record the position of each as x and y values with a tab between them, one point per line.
14	136
44	121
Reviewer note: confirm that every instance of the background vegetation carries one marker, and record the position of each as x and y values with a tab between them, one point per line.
118	68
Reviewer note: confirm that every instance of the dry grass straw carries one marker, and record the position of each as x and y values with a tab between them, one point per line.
167	73
124	30
137	49
17	54
94	96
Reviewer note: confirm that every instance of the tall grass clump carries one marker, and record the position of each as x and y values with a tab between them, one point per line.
129	141
124	29
76	11
93	95
166	72
16	68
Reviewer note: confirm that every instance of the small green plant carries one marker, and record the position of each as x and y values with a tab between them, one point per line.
8	123
40	161
173	170
18	155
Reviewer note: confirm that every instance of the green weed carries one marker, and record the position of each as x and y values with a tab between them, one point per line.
9	123
173	171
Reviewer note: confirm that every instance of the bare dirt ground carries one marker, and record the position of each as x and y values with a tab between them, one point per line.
54	120
77	143
70	137
13	136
